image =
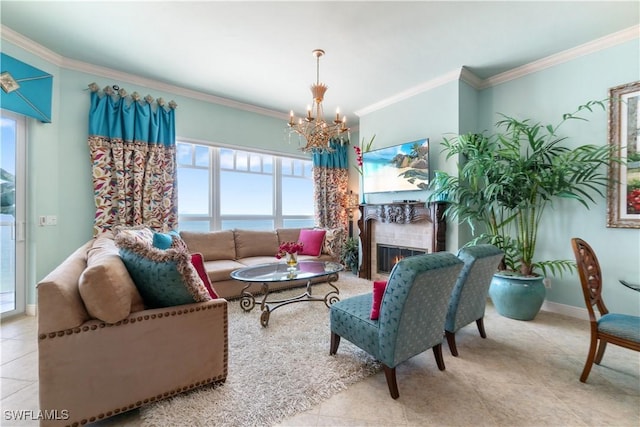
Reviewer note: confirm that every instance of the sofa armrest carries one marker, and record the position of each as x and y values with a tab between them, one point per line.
98	369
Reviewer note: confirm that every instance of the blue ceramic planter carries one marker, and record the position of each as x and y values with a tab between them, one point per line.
517	297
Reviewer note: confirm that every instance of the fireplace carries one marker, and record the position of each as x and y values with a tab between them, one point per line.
388	256
406	224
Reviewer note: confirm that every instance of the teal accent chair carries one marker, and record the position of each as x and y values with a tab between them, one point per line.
469	296
618	329
412	313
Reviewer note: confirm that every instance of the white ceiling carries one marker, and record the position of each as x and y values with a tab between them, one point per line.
260	52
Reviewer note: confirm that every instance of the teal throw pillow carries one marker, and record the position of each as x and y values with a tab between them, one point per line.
164	240
164	278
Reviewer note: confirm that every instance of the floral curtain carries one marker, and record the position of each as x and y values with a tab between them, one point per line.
133	150
330	176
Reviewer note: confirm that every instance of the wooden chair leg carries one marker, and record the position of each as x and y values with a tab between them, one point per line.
437	352
451	340
601	349
587	366
390	375
335	342
480	323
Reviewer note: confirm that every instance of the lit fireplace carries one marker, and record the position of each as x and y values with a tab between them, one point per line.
388	256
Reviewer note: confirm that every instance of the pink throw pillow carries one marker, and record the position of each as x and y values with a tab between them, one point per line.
312	241
198	264
378	292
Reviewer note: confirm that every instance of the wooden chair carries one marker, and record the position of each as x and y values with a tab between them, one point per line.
618	329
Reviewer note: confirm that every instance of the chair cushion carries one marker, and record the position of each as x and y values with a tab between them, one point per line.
620	325
378	292
312	241
350	318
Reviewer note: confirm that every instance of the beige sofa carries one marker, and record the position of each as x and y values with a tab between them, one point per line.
90	369
102	353
229	250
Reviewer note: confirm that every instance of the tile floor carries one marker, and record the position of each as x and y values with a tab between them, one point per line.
523	374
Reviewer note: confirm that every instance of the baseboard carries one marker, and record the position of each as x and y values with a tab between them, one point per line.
567	310
31	309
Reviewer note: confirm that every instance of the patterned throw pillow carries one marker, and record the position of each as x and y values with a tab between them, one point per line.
164	278
378	292
333	241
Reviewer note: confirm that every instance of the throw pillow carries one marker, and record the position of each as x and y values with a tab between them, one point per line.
106	287
198	264
164	278
333	241
164	240
311	241
378	292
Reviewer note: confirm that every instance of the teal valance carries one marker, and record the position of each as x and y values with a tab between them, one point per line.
131	118
337	159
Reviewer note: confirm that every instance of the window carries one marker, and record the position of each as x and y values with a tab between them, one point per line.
220	188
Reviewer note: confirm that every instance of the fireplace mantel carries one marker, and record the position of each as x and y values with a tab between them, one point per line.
400	213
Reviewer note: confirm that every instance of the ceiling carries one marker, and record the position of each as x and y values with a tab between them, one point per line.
259	53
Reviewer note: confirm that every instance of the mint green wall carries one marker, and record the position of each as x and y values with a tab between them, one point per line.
432	115
59	171
545	96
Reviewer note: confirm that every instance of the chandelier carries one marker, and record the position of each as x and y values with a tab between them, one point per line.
313	128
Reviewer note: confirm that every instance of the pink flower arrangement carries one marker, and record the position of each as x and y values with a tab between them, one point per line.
288	248
359	150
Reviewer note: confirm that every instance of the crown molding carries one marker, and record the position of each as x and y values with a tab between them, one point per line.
596	45
411	92
467	76
72	64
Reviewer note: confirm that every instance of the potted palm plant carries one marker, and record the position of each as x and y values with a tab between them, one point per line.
504	185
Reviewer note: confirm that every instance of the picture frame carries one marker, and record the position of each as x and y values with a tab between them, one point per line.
623	194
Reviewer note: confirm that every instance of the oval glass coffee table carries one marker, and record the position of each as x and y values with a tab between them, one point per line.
281	272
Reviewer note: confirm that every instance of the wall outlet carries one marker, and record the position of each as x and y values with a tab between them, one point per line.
547	282
47	220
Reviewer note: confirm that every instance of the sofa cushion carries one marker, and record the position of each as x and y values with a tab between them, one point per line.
333	241
213	245
164	278
288	234
312	241
106	288
198	264
255	243
164	240
220	270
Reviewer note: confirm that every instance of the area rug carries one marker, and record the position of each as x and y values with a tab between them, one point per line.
274	372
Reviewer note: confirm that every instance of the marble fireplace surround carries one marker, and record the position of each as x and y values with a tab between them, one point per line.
413	225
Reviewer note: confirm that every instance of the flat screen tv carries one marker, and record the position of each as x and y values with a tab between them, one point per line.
403	167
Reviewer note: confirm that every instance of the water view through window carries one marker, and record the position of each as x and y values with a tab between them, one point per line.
223	188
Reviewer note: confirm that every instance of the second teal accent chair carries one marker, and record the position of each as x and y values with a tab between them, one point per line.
412	313
469	296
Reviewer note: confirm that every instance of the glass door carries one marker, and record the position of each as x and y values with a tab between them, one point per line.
12	214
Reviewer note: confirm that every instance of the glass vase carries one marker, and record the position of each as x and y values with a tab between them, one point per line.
292	261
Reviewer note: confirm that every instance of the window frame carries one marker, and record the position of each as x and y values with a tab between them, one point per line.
215	218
